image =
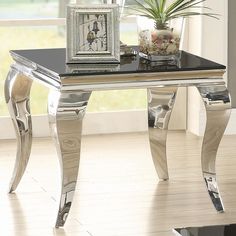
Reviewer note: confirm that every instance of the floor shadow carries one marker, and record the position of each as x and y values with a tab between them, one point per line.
159	217
18	215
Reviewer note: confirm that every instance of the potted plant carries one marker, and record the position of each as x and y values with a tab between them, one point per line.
161	41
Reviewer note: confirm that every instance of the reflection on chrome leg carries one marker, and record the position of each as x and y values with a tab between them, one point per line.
66	111
218	107
212	188
17	91
160	104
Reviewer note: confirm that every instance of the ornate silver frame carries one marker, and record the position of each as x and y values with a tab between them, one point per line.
112	52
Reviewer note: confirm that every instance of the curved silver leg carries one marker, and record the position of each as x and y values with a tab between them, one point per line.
66	111
17	91
218	107
160	104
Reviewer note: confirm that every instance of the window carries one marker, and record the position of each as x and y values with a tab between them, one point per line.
26	24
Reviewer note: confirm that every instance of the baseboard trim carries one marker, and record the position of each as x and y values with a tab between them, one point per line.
94	123
230	129
105	123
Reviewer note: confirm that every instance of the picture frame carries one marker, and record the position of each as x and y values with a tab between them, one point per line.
93	33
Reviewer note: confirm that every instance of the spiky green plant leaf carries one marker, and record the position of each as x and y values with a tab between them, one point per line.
161	12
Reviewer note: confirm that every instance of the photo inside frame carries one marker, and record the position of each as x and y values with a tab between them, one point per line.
92	32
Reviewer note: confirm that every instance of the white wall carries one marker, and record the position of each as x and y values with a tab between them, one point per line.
232	50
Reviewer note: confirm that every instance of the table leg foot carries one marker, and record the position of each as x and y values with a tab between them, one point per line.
66	111
17	91
160	104
216	99
213	190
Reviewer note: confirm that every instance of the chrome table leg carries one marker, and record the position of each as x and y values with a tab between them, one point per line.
216	99
66	111
17	91
160	104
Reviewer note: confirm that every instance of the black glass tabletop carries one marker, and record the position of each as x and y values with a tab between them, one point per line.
54	60
217	230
